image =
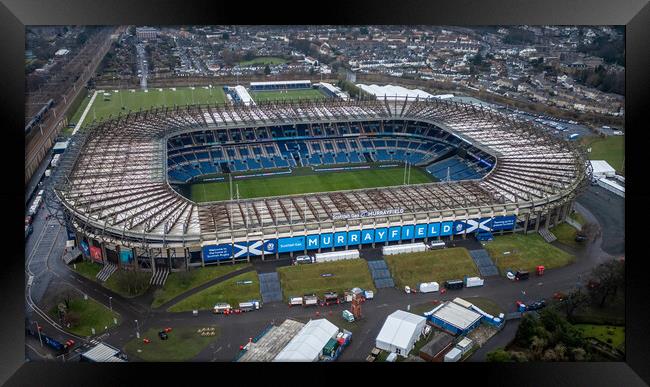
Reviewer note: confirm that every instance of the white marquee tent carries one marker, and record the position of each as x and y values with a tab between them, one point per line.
400	332
309	342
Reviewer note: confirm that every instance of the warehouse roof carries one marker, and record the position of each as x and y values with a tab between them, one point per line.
309	342
266	348
456	315
399	328
602	167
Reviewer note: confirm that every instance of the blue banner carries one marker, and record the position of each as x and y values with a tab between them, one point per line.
313	242
381	234
286	245
126	255
271	246
340	239
71	234
367	236
394	233
84	248
433	229
213	253
446	228
504	222
326	240
459	227
420	230
407	232
354	238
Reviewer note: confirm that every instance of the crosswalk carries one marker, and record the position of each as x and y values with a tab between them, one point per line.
381	274
106	272
159	277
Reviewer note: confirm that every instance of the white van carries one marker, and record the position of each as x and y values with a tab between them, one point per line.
302	259
221	308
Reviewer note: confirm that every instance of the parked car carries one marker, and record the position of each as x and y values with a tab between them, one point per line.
163	335
537	305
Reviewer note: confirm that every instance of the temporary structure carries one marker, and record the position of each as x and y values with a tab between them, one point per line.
400	332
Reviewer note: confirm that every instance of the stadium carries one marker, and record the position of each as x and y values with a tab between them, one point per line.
418	170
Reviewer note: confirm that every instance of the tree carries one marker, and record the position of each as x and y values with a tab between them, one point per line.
499	355
267	70
606	278
590	230
574	301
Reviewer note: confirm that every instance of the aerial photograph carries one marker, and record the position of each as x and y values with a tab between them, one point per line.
305	193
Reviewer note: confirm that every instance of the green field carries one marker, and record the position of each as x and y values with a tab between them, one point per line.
604	332
119	283
183	344
432	265
87	314
227	291
263	60
259	96
526	253
610	149
304	180
87	269
566	234
138	99
180	282
306	279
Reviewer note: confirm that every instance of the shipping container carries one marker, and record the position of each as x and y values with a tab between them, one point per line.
337	255
310	300
405	248
249	305
473	281
454	284
453	355
295	301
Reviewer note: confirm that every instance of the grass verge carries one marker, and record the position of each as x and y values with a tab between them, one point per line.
85	315
306	279
184	343
526	252
181	282
227	291
432	265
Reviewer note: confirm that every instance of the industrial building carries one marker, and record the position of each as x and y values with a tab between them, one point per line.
435	349
454	318
400	332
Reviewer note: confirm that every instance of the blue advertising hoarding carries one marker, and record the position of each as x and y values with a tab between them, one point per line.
313	242
446	228
212	253
126	255
286	245
84	248
326	240
270	246
420	230
394	233
367	236
407	232
504	222
354	238
381	235
340	239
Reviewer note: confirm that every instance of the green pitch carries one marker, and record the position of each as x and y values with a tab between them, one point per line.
259	96
103	107
304	180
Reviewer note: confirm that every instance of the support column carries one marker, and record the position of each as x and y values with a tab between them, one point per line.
538	220
526	223
557	215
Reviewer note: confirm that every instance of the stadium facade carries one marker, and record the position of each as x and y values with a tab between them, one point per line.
116	185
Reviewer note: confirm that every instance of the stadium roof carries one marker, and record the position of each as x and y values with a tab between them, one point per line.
309	342
280	83
114	173
394	92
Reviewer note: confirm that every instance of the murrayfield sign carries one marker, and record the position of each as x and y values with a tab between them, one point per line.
365	214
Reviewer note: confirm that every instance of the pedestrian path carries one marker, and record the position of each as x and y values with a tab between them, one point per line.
380	274
106	272
159	277
270	287
484	263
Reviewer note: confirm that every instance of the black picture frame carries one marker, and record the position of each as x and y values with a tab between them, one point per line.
15	14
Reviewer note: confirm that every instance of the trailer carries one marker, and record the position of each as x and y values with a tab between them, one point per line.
294	301
249	306
221	308
310	300
521	275
454	284
336	255
405	248
471	282
368	294
428	287
330	298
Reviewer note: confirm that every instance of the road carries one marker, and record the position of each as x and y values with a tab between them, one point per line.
45	245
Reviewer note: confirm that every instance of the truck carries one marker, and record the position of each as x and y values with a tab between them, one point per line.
221	308
249	306
368	294
348	316
303	259
310	300
521	275
436	245
331	298
293	301
454	284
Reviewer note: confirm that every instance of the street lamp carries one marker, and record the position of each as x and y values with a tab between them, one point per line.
38	329
110	303
137	329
